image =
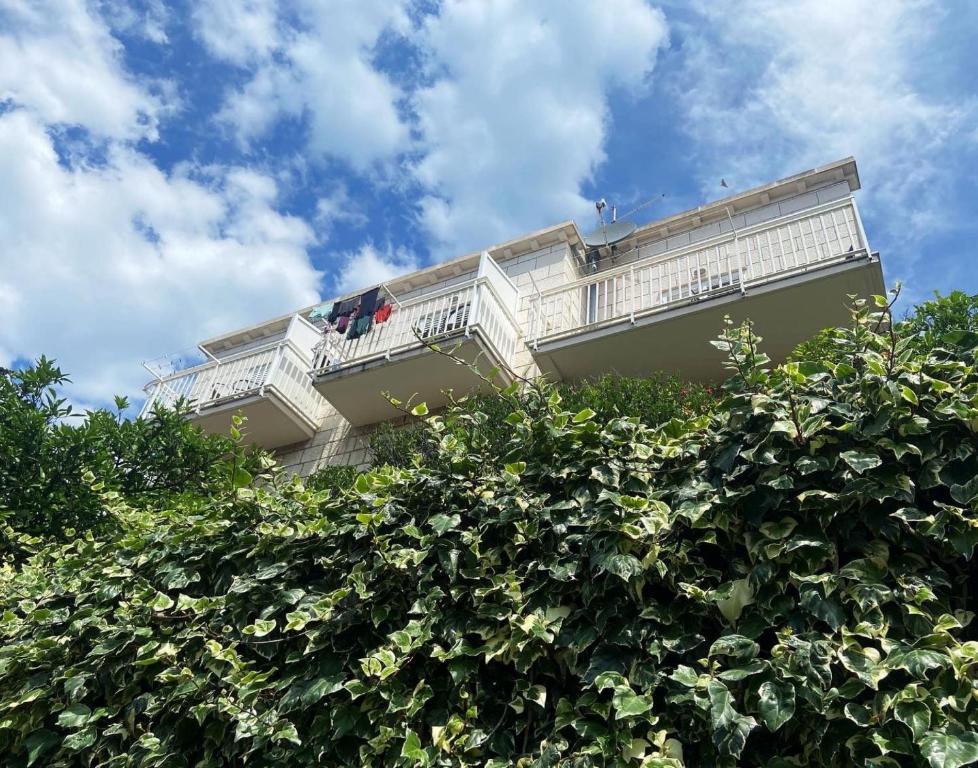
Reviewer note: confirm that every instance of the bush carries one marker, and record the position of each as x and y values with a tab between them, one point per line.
828	345
925	327
931	322
786	581
398	445
654	400
336	477
45	448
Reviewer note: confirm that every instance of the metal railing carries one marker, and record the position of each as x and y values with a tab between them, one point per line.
454	311
281	365
736	261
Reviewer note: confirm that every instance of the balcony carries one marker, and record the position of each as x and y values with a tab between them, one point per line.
269	384
475	320
790	276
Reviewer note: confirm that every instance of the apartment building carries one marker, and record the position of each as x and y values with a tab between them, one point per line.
633	300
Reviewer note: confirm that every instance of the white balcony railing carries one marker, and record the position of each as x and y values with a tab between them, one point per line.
751	256
453	312
280	366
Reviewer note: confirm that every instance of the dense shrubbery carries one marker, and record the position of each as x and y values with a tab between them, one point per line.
334	476
931	321
926	327
654	400
785	582
45	449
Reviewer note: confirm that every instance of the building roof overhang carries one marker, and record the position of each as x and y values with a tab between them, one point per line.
568	232
799	183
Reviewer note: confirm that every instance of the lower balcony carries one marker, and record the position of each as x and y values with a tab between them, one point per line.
473	321
791	278
269	385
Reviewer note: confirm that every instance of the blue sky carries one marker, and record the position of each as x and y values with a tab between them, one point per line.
173	170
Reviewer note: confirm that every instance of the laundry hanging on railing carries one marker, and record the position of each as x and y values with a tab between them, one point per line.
351	329
353	317
359	326
368	302
383	311
322	313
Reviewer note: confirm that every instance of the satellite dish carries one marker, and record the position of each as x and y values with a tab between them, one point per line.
608	234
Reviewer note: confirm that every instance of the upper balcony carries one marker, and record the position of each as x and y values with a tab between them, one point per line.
790	275
475	320
269	384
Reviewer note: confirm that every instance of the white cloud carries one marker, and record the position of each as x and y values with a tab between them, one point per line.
238	31
104	267
770	88
58	59
339	207
518	116
311	60
369	266
144	18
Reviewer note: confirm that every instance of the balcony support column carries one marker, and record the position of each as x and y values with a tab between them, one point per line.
741	278
631	294
473	314
859	226
273	367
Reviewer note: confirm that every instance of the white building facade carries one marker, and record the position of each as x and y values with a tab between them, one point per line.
786	255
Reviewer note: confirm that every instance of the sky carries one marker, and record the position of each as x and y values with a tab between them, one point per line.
172	170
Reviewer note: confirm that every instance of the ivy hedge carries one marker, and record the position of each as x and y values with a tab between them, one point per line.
785	581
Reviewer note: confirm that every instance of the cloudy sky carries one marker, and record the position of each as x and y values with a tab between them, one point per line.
171	170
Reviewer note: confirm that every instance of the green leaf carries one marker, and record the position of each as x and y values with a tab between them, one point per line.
74	716
737	646
730	728
860	460
779	530
323	686
732	599
623	566
917	661
260	628
685	676
362	484
946	750
915	715
965	493
297	620
411	750
864	664
583	415
242	477
271	571
287	732
442	523
743	672
776	703
39	743
606	680
80	740
421	409
627	703
161	602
